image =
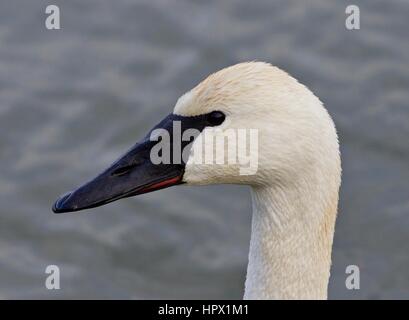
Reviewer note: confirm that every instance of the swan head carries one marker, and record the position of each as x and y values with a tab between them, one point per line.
275	129
250	123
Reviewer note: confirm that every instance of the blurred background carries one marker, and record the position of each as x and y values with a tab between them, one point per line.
72	100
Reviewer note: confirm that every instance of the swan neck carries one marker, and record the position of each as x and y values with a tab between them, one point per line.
290	246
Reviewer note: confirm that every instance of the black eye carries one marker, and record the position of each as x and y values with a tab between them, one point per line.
215	118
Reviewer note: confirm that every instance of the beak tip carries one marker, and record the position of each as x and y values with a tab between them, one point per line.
59	206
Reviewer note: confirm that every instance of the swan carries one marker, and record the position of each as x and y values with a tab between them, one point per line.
294	190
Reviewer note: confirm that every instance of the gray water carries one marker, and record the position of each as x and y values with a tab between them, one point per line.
72	100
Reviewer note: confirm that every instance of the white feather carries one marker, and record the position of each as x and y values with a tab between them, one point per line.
295	189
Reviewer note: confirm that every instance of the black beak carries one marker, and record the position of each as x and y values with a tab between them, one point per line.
134	173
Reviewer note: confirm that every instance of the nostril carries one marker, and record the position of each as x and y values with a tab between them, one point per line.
123	170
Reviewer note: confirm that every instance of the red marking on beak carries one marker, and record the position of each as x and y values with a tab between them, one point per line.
162	184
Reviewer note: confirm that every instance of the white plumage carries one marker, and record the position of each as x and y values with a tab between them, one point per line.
295	189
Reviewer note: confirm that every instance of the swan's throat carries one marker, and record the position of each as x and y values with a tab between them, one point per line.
290	247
